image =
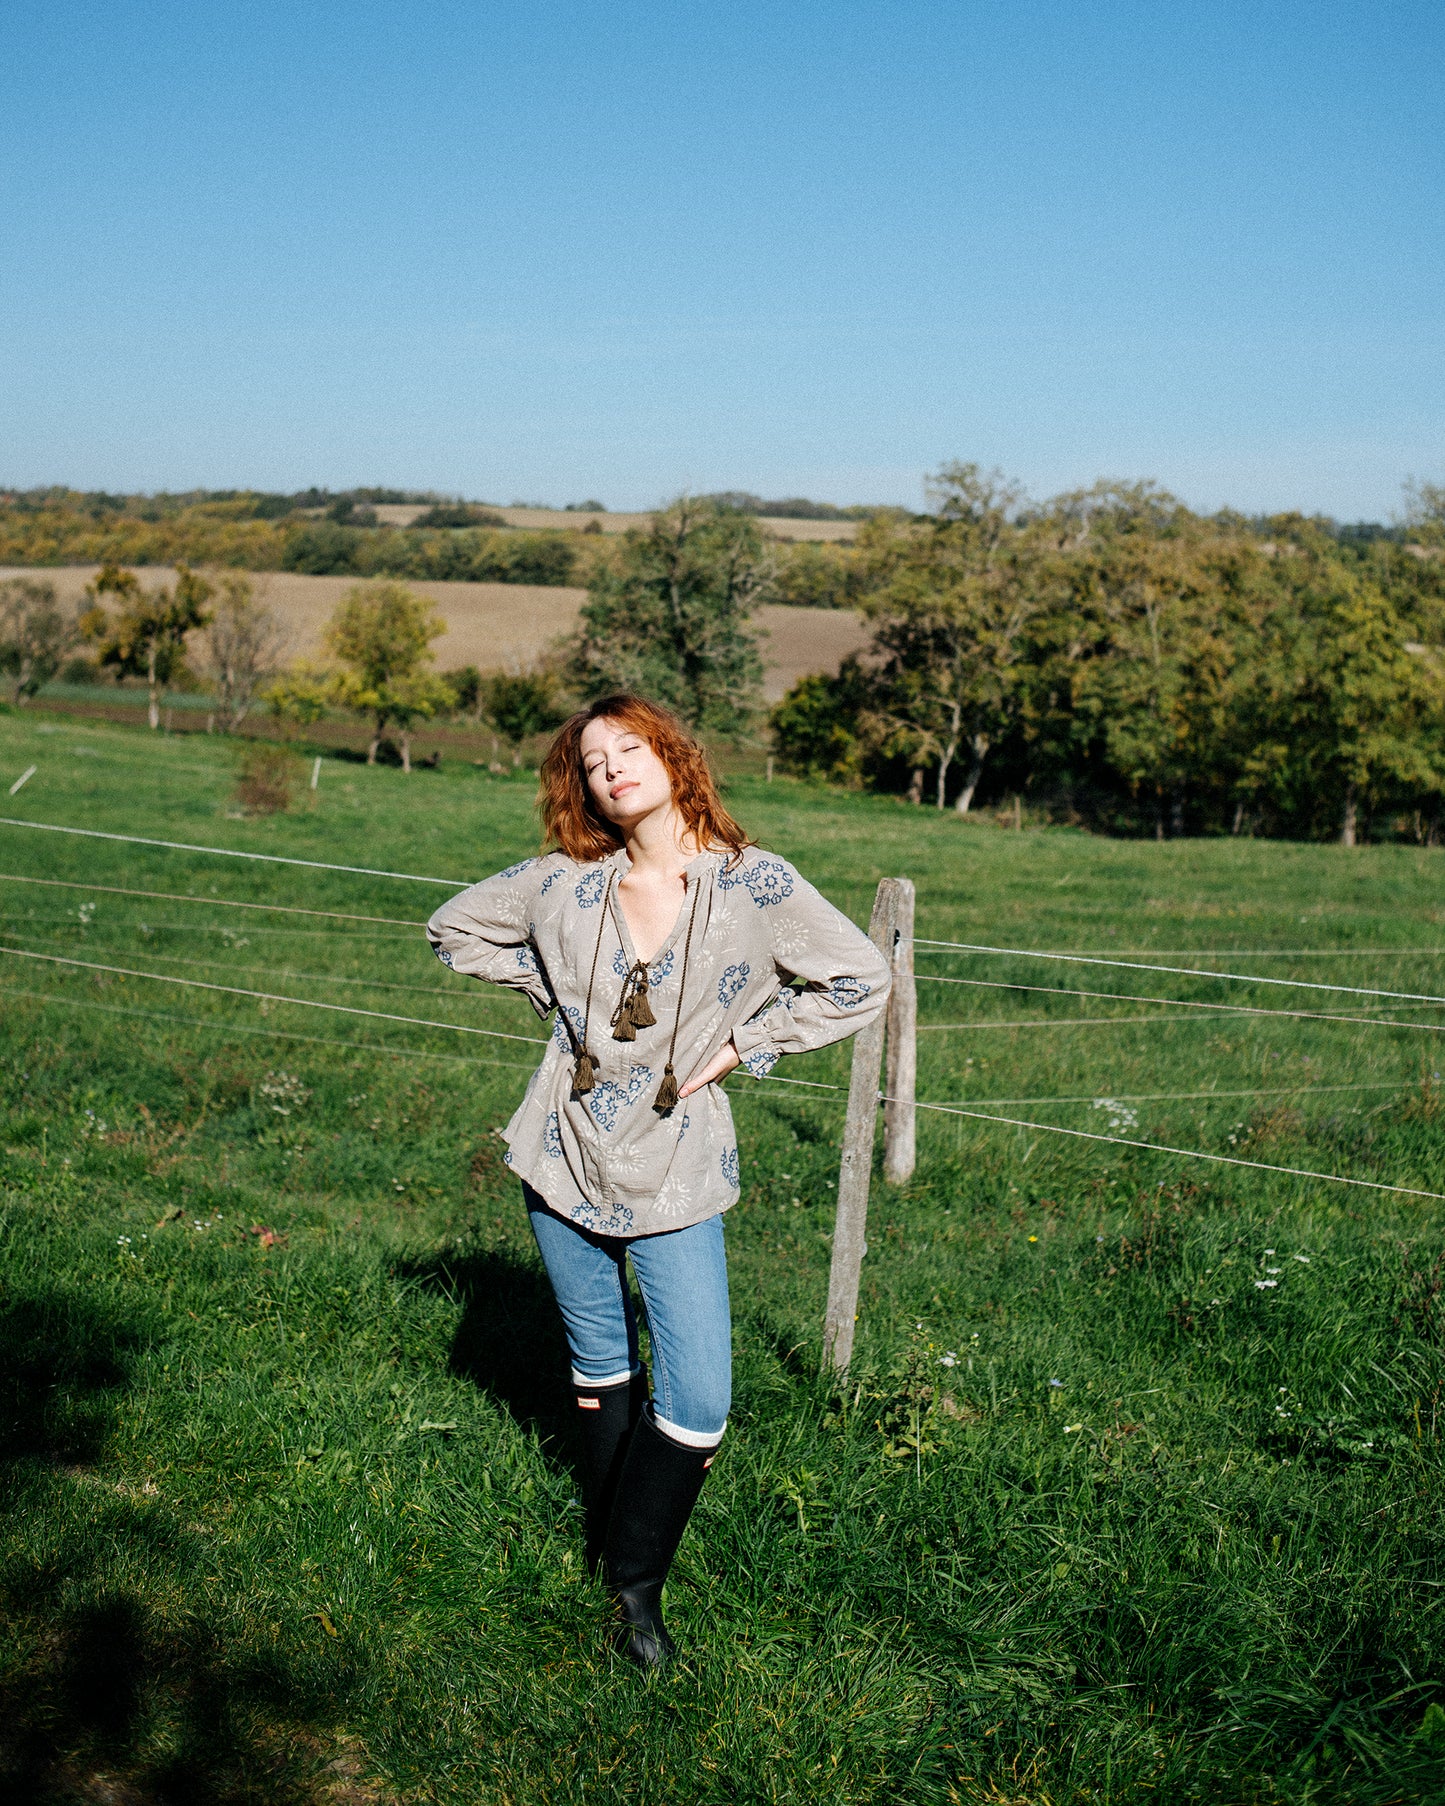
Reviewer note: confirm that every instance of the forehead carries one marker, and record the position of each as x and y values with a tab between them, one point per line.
603	733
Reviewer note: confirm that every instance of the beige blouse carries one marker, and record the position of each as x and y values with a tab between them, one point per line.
608	1158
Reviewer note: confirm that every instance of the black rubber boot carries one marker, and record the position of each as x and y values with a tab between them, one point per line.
606	1416
656	1491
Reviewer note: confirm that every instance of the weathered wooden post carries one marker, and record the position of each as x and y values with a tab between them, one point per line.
856	1166
900	1136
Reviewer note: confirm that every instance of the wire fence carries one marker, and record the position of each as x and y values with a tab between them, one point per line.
960	1110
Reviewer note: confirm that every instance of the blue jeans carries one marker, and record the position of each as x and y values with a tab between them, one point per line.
683	1278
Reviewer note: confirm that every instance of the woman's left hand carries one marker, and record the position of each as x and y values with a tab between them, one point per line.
718	1067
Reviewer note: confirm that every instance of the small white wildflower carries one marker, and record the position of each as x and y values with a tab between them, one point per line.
1303	1257
1265	1285
948	1360
1269	1250
283	1090
1274	1269
1072	1429
1058	1385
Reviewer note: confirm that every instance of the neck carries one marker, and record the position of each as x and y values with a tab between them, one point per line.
660	842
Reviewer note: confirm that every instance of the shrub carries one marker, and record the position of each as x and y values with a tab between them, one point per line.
268	775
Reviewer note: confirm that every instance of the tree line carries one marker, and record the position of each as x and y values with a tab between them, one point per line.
316	534
1112	654
1108	654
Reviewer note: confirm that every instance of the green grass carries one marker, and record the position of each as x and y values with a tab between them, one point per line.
298	1521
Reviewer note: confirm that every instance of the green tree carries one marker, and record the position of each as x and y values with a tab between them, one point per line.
818	576
382	633
1425	512
521	704
668	613
35	635
1344	713
950	621
300	696
147	637
818	727
1143	604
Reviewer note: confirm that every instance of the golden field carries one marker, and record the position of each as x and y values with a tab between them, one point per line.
507	625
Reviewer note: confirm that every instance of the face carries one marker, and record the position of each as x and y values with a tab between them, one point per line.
625	776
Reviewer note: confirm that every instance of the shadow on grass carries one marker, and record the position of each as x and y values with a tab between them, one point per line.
509	1339
112	1688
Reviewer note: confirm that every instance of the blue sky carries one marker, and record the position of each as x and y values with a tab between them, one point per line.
619	250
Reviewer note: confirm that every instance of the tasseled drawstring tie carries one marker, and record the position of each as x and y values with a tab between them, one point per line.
584	1071
633	1009
667	1098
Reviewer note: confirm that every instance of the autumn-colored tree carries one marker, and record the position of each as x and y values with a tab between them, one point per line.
382	633
244	647
147	637
302	695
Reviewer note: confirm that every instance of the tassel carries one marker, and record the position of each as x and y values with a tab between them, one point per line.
666	1092
583	1077
642	1016
624	1031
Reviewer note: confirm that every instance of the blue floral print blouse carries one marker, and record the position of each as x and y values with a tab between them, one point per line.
773	966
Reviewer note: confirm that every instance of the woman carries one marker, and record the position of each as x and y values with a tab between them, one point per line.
666	942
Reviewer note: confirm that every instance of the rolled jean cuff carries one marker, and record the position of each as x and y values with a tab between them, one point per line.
608	1379
690	1439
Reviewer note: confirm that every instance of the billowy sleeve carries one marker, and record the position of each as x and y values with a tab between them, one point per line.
487	933
845	980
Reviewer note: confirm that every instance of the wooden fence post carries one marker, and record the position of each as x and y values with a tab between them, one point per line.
855	1169
900	1118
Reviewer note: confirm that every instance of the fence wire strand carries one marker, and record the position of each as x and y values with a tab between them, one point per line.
185	846
310	1003
1179	1003
165	896
1130	965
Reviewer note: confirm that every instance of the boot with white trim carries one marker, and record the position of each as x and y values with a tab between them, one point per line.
606	1418
656	1491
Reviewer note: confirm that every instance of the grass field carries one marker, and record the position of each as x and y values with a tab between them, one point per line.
1134	1491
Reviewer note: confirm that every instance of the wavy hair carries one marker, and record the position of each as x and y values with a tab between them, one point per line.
571	821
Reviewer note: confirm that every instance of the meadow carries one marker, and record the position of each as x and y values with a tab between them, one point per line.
1134	1489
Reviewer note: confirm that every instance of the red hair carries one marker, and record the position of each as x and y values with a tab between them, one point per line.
571	820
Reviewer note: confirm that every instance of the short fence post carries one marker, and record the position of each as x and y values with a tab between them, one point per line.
900	1118
855	1169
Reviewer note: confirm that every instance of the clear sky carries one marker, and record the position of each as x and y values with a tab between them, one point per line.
561	251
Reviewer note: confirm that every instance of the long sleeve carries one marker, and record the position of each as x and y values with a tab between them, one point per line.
486	932
845	978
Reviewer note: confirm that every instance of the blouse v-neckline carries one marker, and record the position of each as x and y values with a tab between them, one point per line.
691	875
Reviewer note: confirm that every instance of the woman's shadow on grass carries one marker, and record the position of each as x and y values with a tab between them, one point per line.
508	1340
